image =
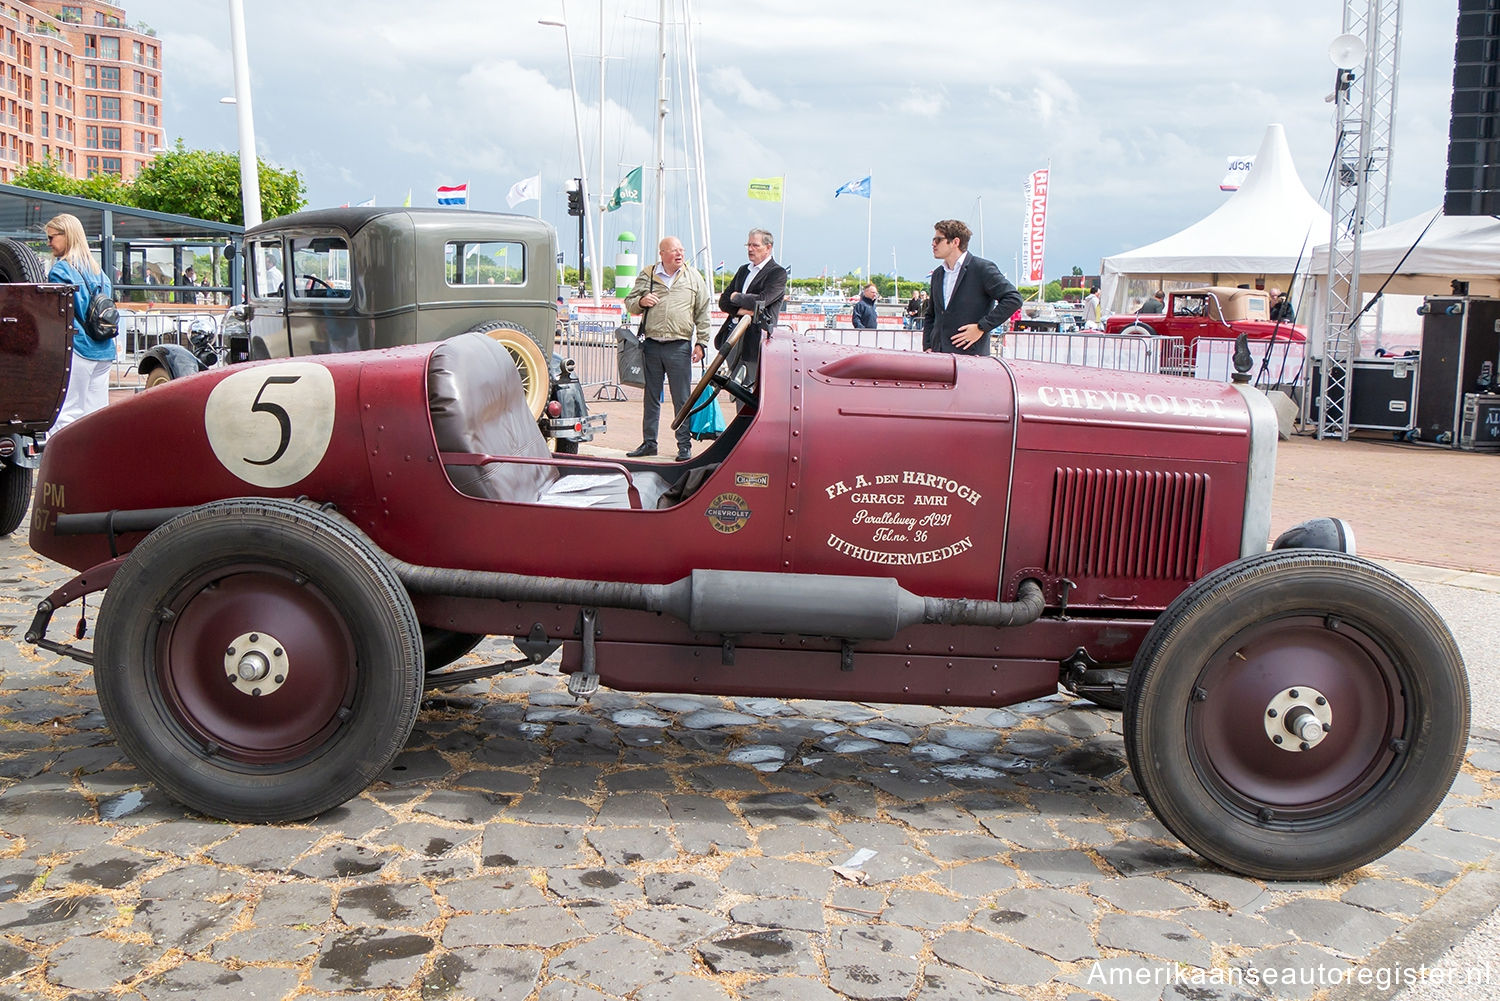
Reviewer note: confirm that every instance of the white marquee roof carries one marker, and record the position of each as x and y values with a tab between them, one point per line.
1461	247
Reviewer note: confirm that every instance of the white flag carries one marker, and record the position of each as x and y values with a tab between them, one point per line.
1236	169
523	190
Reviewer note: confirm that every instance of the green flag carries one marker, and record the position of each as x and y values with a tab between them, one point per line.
766	189
628	191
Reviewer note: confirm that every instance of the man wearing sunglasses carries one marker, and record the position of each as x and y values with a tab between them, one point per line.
968	296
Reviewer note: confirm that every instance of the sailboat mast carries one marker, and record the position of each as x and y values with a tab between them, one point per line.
698	157
599	192
661	121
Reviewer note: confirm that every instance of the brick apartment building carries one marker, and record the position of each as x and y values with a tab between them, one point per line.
78	84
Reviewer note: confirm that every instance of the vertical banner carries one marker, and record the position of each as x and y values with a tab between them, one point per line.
1034	232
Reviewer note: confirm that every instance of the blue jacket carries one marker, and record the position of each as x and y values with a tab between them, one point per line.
84	346
864	314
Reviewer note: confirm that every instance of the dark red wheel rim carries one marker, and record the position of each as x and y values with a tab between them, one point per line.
292	721
1226	731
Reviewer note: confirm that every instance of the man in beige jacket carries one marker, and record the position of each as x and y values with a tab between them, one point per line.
672	301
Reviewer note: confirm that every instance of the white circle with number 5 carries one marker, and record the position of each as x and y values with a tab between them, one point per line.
270	425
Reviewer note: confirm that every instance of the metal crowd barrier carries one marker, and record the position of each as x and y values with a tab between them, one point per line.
1093	349
142	330
594	348
1273	363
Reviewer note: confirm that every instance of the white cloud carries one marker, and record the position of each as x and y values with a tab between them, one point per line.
731	80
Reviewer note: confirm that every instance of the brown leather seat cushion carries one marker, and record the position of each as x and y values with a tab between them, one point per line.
478	405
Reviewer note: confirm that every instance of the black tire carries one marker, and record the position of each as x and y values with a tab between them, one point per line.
20	264
441	647
1103	701
15	496
304	592
565	446
1301	624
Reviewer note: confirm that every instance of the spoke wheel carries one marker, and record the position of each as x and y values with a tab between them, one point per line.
258	661
530	362
1296	715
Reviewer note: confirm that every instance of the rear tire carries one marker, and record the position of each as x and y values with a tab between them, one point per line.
20	264
158	376
530	361
15	496
326	629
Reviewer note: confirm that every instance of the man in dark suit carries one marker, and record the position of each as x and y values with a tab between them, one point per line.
968	297
762	280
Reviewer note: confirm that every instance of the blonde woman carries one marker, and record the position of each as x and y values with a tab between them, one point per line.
88	382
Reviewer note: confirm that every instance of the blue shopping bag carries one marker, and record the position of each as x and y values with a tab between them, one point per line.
708	422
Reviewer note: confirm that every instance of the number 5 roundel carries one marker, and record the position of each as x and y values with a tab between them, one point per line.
271	425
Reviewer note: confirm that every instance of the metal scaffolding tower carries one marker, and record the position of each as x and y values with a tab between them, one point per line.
1365	98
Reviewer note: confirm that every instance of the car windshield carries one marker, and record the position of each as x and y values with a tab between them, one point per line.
320	267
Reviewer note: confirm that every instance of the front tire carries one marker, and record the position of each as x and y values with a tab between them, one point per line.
1256	651
20	264
327	632
15	496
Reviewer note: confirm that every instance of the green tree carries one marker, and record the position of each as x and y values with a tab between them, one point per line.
206	185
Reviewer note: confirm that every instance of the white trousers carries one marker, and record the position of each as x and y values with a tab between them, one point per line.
88	390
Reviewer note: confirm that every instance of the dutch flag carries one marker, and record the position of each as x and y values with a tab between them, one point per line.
453	194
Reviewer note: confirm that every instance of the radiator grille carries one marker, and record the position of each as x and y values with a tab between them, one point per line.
1126	523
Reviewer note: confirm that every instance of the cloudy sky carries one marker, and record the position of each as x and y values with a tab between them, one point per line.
1135	106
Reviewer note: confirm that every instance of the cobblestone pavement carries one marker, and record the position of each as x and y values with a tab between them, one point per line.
666	848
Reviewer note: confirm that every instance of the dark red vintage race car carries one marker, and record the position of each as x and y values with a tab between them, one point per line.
319	538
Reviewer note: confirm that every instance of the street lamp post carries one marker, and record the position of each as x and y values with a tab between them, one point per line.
593	252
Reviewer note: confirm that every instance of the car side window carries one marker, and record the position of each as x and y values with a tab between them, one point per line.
491	263
320	268
265	274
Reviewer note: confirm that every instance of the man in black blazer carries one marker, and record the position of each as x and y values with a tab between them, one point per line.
763	280
968	297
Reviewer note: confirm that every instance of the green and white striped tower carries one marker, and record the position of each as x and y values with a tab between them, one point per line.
626	265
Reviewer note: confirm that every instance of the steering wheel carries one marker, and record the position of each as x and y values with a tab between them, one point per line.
314	281
711	375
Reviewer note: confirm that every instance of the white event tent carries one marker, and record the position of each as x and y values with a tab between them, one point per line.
1409	259
1256	237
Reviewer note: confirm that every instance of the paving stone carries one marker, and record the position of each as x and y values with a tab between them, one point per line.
269	945
210	982
885	733
1243	930
681	888
594	884
1235	891
194	881
387	905
936	816
507	845
1022	829
791	915
910	785
712	839
187	924
53	919
182	838
799	839
1342	927
633	810
779	808
493	974
943	983
357	818
1047	921
1300	971
367	959
769	953
684	987
1388	896
1461	848
15	960
936	753
463	806
1089	834
108	868
1066	867
920	909
762	877
787	989
95	963
271	849
873	963
674	927
17	876
1487	758
495	781
424	839
1154	937
977	879
1142	893
1142	858
708	719
290	904
540	809
37	812
1409	863
993	958
342	861
544	926
1482	820
501	892
639	717
622	846
571	781
617	963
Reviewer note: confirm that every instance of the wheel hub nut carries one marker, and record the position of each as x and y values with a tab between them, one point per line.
1298	719
256	663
